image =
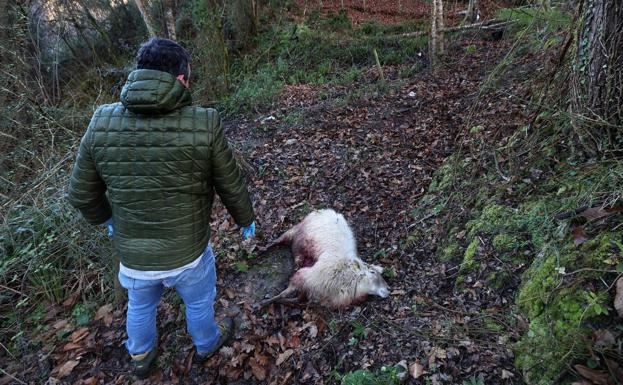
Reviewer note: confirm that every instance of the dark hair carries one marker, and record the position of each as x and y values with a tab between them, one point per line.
163	55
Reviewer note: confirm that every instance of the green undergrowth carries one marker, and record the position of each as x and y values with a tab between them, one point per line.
49	255
315	51
508	216
387	375
510	239
507	236
538	29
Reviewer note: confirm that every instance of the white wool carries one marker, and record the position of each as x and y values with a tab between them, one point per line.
335	282
338	277
330	234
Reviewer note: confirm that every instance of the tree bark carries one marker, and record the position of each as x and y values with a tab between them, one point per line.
169	17
597	101
473	12
436	35
146	18
242	20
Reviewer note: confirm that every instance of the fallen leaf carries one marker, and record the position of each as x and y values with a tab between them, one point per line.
71	346
261	359
104	313
230	293
416	370
66	369
603	339
71	300
90	381
284	356
579	235
600	212
60	324
618	298
615	368
313	331
507	374
258	370
401	369
599	377
294	341
79	334
227	352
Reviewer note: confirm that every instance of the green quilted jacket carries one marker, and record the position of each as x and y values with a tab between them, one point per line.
152	162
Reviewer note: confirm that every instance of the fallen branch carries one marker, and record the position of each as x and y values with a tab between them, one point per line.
484	25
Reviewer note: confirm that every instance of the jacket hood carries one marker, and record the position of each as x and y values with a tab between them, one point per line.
154	92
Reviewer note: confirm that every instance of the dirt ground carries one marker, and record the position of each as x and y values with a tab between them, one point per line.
370	158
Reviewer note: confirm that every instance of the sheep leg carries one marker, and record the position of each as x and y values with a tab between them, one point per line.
285	238
281	297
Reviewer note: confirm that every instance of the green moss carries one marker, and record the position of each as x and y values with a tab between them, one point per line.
499	279
468	263
504	243
493	219
493	325
561	307
445	176
468	257
450	252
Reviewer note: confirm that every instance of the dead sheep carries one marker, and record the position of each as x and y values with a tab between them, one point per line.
330	272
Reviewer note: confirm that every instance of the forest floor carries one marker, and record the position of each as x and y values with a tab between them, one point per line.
369	151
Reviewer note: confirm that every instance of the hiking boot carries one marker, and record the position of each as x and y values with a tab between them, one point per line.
226	329
142	363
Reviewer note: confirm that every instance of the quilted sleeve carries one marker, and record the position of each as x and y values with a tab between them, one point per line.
87	191
227	178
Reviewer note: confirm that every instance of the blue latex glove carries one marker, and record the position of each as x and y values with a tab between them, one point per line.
108	223
249	231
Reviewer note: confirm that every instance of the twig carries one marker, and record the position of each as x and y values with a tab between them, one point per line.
589	269
570	213
13	290
12	376
378	64
497	167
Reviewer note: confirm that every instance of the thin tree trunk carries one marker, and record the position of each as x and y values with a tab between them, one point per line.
473	11
436	35
146	18
256	14
169	17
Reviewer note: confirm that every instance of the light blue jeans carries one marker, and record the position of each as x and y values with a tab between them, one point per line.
196	286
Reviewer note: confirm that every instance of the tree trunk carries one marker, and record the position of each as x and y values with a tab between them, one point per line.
473	12
598	79
169	17
146	18
242	21
436	34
